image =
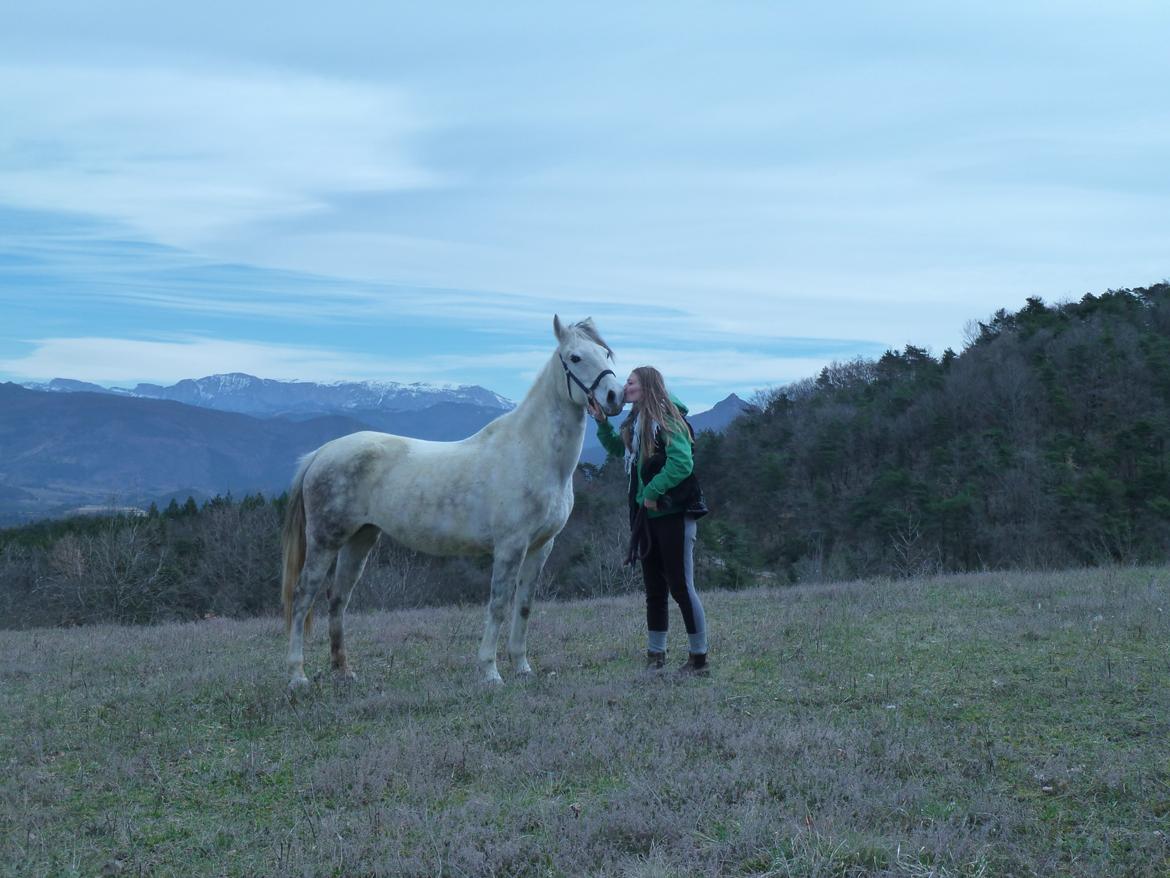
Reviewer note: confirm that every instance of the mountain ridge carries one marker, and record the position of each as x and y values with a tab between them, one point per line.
248	394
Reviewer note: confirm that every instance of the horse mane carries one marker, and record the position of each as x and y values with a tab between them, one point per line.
587	329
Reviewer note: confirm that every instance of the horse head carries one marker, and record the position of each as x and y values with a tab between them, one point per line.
587	359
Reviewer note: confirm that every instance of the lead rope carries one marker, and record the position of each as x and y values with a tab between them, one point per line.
640	539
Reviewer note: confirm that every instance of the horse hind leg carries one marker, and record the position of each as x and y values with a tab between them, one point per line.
351	560
522	608
313	576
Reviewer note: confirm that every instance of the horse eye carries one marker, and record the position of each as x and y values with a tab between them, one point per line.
575	359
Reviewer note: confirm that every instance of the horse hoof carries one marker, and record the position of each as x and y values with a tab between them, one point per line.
298	684
344	676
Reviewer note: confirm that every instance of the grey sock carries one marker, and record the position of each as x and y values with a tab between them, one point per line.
698	642
656	641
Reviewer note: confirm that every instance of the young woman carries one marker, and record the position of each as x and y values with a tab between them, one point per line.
656	442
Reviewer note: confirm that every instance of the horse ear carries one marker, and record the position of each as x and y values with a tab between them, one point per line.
588	324
558	329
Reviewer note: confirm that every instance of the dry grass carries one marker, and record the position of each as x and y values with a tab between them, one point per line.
956	726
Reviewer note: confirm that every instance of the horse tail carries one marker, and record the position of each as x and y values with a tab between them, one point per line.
293	542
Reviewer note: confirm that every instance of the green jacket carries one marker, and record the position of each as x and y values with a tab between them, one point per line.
679	461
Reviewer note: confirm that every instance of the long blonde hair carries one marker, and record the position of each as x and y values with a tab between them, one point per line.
655	407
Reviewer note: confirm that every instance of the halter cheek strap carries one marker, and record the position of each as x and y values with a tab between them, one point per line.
570	379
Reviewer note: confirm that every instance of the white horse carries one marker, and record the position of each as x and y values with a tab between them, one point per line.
506	491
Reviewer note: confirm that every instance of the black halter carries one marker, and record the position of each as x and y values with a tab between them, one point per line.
570	377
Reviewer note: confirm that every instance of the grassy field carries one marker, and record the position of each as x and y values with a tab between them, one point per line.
999	724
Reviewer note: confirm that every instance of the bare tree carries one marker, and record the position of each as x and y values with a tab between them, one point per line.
118	574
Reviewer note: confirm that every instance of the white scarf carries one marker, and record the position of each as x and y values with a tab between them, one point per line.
631	457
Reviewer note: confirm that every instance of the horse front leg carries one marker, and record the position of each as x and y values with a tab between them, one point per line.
506	565
525	592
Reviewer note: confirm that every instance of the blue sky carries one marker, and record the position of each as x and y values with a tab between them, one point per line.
737	193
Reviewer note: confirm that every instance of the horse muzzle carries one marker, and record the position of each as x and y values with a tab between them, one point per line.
611	401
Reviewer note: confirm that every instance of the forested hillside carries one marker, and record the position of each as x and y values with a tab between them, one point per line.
1043	444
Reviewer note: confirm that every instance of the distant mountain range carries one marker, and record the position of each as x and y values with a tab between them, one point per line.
68	444
239	392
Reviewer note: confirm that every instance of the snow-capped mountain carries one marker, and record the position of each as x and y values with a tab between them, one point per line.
239	392
70	385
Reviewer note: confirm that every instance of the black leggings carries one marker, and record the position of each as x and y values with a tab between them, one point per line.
665	571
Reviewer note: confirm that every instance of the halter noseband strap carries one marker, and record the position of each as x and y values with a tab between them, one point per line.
570	377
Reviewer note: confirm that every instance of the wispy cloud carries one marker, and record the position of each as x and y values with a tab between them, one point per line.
186	154
124	361
93	263
715	368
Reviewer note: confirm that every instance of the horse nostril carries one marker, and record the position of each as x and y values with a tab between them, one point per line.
611	397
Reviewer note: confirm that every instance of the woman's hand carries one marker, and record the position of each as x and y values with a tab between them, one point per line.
651	504
596	412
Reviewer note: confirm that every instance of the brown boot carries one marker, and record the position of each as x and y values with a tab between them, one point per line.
696	665
655	661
